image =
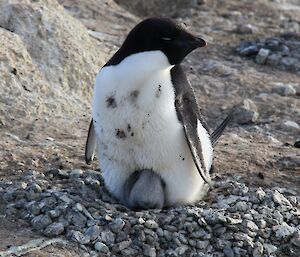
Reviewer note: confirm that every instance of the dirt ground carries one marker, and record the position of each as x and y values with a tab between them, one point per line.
222	79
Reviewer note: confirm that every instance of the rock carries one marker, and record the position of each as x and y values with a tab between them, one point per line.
54	229
48	54
297	144
284	89
245	29
107	237
258	249
248	48
92	232
270	248
202	244
290	63
181	250
228	251
78	237
101	247
246	113
279	198
151	224
41	221
121	246
290	126
117	225
150	252
283	231
248	224
273	59
262	56
296	239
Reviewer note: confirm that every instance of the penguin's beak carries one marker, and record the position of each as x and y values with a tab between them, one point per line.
200	42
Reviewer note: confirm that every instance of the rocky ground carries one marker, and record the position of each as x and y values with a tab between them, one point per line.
49	54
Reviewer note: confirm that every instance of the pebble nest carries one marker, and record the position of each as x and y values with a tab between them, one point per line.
234	219
282	52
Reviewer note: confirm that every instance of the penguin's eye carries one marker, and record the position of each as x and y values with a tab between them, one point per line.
166	38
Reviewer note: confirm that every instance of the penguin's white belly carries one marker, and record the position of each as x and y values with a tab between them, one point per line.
137	128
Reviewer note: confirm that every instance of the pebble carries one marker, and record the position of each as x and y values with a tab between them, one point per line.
101	247
238	223
270	248
258	249
228	251
280	52
262	56
117	225
41	221
246	113
283	231
290	126
151	224
107	237
284	89
54	229
280	199
92	232
150	252
245	29
297	144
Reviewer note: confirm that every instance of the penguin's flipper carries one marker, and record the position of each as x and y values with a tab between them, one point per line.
90	146
219	130
189	115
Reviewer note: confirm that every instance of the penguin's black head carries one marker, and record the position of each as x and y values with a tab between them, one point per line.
159	34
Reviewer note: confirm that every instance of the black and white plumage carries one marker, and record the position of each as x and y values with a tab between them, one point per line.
154	148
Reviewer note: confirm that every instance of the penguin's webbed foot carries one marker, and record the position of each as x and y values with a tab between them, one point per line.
144	190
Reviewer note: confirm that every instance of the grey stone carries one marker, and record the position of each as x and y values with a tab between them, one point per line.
92	232
54	213
78	237
41	221
78	219
149	251
270	248
296	239
249	50
181	250
242	206
101	247
117	225
246	113
202	244
76	173
289	62
107	237
248	224
228	251
290	126
54	229
284	89
151	224
283	231
245	29
262	56
258	250
273	59
121	246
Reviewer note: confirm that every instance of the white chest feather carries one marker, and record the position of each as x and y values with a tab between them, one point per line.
137	127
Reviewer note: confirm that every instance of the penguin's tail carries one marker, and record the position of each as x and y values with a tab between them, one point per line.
220	129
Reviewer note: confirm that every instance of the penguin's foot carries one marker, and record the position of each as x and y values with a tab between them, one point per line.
144	190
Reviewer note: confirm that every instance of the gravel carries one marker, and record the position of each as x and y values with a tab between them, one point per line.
282	52
235	220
